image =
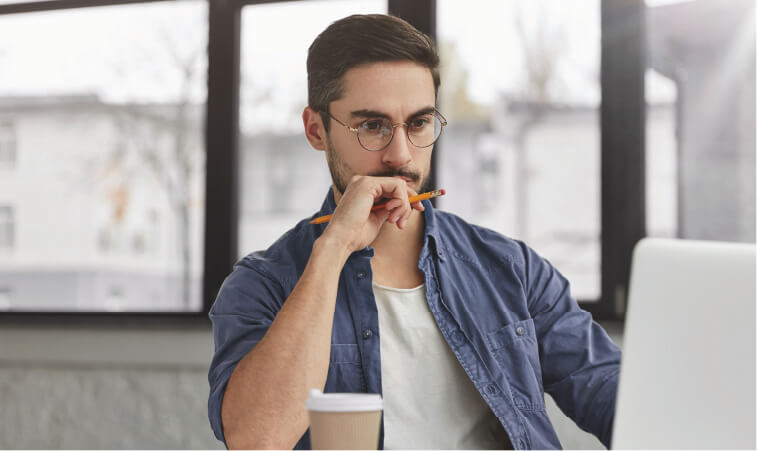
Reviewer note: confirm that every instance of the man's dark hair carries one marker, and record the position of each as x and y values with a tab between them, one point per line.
358	40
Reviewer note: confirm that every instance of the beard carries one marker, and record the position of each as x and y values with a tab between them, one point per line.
340	172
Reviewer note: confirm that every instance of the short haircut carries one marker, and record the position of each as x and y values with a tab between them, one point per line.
359	40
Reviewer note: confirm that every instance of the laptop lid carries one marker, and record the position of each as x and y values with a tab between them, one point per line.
687	377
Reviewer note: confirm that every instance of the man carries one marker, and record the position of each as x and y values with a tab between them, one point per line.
460	329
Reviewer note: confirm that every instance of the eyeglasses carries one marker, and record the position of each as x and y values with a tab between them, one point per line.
376	134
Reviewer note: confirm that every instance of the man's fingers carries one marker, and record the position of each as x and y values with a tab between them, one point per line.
397	191
405	217
415	205
392	204
392	191
382	215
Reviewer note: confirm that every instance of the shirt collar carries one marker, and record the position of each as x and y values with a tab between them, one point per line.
329	204
432	231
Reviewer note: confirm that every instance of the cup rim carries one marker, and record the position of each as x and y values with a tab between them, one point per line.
343	402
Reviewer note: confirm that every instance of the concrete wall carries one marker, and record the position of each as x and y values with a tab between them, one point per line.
85	387
125	388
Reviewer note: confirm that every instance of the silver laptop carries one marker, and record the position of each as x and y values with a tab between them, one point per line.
687	378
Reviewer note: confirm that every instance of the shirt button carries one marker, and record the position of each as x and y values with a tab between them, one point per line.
521	444
491	389
457	337
360	275
367	333
520	330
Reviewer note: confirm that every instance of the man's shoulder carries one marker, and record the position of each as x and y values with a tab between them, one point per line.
473	241
285	259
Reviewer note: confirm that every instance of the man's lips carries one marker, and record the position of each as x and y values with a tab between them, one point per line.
409	177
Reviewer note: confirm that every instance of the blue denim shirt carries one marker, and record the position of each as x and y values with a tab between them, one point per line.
506	313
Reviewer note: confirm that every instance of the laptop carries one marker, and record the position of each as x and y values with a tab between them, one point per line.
687	376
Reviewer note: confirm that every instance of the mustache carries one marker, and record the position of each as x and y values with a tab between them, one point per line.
412	176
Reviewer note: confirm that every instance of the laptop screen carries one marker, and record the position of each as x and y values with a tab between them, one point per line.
688	371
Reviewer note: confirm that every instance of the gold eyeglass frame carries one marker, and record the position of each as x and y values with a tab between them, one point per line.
437	113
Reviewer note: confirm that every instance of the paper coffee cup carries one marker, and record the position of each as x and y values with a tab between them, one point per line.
344	420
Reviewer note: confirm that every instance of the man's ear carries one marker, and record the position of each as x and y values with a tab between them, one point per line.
314	130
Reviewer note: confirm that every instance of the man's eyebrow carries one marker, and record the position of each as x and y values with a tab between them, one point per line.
369	113
374	113
423	111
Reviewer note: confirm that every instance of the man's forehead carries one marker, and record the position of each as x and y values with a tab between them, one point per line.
388	87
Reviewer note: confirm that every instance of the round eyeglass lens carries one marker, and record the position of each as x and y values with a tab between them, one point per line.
424	130
375	134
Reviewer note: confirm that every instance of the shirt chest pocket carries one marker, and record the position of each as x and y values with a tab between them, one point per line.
345	371
516	350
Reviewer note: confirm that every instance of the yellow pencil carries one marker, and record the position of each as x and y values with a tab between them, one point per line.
412	199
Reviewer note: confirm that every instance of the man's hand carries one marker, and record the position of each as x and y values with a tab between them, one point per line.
355	224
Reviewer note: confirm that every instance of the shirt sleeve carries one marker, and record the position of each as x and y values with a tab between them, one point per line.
244	309
580	363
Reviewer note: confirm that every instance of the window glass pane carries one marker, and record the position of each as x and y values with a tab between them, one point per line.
7	144
107	188
700	145
282	178
7	224
520	89
6	299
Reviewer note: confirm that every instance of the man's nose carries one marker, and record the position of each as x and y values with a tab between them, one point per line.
398	152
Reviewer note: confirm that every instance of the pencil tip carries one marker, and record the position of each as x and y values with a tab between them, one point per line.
443	192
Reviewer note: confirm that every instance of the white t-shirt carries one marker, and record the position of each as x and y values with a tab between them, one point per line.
429	401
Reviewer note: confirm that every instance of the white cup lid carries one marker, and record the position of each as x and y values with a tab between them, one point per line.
344	402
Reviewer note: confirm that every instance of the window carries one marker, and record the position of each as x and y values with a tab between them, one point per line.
114	300
282	178
701	120
6	298
111	116
520	89
7	228
7	144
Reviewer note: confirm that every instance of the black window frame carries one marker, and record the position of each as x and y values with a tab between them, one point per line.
622	128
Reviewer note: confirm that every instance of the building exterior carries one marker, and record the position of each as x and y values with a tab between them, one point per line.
708	50
85	223
92	194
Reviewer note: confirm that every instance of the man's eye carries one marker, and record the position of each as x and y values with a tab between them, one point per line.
419	122
373	125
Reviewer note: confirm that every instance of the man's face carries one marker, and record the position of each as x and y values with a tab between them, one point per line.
394	90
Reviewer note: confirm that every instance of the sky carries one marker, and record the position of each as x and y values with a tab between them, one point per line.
122	53
128	53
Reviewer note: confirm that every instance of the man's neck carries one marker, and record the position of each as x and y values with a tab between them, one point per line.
396	252
392	240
